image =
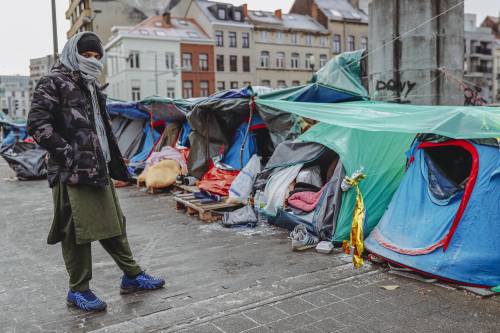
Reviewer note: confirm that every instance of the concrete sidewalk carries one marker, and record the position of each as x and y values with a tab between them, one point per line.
218	280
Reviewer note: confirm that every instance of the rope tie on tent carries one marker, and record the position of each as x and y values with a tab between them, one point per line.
355	245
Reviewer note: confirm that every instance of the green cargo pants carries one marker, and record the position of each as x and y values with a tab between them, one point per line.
78	258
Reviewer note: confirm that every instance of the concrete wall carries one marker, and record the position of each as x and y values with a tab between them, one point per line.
407	70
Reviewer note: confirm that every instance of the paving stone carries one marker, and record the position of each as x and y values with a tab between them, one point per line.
306	329
235	323
345	291
294	305
258	329
329	325
265	314
204	328
290	323
321	298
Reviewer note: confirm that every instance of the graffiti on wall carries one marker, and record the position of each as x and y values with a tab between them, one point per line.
402	88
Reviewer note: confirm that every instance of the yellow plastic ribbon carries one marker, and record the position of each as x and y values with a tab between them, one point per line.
355	245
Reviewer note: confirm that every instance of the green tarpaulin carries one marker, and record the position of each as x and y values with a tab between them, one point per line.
374	137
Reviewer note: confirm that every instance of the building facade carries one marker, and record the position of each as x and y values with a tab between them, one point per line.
288	49
100	16
494	24
162	56
234	43
478	58
346	22
38	68
14	96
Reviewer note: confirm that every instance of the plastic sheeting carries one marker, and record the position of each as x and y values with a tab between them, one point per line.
218	181
277	188
459	122
241	149
414	223
26	159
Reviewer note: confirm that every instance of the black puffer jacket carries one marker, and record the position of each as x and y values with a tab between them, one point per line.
61	120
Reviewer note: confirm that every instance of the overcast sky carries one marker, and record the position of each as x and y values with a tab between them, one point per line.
26	27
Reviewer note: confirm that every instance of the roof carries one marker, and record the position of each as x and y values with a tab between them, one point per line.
183	29
204	5
339	10
287	21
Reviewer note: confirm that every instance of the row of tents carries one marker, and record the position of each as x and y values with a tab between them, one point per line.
418	186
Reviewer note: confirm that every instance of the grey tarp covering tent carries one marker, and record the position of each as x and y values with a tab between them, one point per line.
289	153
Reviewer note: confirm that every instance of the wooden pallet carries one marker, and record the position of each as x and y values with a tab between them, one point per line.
187	202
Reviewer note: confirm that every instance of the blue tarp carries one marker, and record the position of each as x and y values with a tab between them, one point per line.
233	156
149	142
184	136
246	92
417	220
128	110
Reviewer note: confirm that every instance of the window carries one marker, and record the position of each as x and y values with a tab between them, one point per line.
309	39
187	63
295	38
220	63
295	83
281	84
170	60
279	37
171	89
233	63
133	59
245	40
265	83
187	89
264	59
219	38
263	35
237	15
136	93
323	41
232	39
294	61
309	61
221	13
203	62
350	43
234	84
337	46
203	88
221	85
246	63
364	43
322	60
280	60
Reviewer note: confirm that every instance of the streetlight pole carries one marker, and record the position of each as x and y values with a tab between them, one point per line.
54	30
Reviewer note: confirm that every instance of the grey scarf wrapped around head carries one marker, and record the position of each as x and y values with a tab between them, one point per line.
90	69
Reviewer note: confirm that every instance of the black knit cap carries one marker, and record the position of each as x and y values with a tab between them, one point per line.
89	42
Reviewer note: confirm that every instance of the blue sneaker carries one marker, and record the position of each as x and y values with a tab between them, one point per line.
140	282
85	300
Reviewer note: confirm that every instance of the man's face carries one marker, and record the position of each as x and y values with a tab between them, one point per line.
91	54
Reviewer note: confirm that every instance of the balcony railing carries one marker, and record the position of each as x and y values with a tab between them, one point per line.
482	50
482	69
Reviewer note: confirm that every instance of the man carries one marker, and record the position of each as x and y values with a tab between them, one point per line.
68	118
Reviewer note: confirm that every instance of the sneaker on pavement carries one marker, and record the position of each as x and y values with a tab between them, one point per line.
142	281
85	300
302	239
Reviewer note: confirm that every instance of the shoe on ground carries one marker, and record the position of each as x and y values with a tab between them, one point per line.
302	239
85	300
142	281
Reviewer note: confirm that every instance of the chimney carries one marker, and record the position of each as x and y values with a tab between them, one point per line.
245	10
278	14
355	3
166	17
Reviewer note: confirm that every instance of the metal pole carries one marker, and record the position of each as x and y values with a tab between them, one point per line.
54	30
